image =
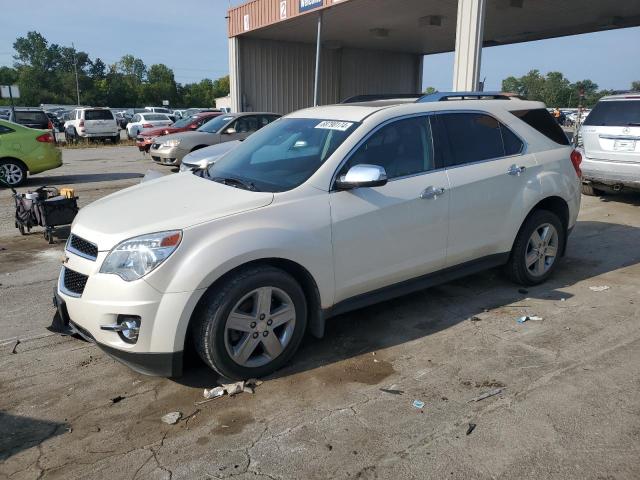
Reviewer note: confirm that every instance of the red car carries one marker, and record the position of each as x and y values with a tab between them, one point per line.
145	137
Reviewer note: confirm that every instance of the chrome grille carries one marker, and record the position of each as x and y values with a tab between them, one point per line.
74	282
82	247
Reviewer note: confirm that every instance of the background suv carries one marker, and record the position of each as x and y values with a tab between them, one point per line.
611	143
31	117
321	212
92	122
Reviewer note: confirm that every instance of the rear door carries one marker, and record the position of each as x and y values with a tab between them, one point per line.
611	132
488	168
100	122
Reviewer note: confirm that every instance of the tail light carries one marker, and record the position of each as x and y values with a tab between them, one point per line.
45	138
147	125
81	124
576	160
50	125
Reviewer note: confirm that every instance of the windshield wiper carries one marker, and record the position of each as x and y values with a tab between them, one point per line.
237	183
634	124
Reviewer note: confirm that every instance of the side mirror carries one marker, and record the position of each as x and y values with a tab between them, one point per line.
362	176
229	131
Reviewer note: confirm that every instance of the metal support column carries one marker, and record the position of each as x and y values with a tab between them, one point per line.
235	90
316	83
469	36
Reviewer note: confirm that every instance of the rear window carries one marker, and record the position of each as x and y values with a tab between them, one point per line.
617	113
542	121
31	117
98	115
155	117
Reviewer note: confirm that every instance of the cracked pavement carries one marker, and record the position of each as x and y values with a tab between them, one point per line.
569	407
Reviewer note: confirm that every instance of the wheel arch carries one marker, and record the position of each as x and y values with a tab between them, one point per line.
197	147
554	204
316	320
17	160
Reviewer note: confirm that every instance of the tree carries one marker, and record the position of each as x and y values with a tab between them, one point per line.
635	86
430	90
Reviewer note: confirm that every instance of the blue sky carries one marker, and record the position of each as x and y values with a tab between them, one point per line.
190	37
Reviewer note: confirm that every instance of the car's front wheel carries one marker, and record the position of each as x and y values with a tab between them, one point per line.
13	172
251	325
537	249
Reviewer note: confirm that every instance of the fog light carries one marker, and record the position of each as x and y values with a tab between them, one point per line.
128	327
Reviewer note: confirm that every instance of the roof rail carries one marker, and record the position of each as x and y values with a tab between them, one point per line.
445	96
380	96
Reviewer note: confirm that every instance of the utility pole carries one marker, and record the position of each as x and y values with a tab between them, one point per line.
75	68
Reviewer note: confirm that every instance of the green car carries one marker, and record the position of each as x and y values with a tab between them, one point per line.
25	150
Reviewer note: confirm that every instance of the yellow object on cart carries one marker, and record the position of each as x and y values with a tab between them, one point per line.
67	192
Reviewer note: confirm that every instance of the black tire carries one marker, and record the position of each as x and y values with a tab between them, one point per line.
115	139
208	329
516	268
589	190
18	172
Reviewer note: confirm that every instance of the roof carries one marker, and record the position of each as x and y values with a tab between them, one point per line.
623	96
357	112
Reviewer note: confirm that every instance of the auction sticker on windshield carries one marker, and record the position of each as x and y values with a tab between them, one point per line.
332	125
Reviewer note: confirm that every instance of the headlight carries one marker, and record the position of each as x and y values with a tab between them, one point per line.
134	258
171	143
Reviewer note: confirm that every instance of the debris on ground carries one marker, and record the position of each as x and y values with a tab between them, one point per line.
230	389
171	418
15	345
475	319
117	399
392	391
488	394
599	288
527	318
418	404
490	384
472	427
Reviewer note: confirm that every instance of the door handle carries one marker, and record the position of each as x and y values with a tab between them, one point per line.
515	170
432	193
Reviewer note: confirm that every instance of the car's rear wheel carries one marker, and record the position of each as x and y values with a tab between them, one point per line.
13	172
589	190
115	139
537	248
252	324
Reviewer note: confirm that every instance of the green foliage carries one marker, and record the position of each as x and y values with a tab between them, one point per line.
554	89
45	74
635	86
430	90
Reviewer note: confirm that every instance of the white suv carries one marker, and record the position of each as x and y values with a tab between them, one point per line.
90	122
611	142
323	211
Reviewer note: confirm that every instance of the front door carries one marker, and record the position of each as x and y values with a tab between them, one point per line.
388	234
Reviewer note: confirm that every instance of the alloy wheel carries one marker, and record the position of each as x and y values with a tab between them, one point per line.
260	326
13	174
542	250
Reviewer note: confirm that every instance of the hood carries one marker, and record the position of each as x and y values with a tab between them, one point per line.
158	131
168	203
209	154
193	137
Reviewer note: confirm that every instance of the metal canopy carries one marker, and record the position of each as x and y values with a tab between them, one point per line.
429	26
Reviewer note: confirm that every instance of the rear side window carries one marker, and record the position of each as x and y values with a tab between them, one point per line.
617	113
98	115
4	130
542	121
474	137
156	117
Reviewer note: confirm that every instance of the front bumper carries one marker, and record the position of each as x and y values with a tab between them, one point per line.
158	364
171	156
164	316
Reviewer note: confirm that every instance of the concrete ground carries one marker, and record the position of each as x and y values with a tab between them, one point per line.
569	408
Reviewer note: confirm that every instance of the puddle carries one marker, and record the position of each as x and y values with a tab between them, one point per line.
358	370
232	421
21	252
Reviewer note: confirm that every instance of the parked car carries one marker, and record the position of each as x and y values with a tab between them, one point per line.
94	123
4	113
179	113
170	149
164	110
30	117
57	122
610	137
121	120
146	120
193	111
207	156
25	150
321	212
146	137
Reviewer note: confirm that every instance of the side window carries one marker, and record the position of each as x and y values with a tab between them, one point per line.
246	124
512	144
472	137
4	130
543	122
404	147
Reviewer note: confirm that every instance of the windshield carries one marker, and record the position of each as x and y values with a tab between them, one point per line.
620	113
212	126
156	116
282	155
184	122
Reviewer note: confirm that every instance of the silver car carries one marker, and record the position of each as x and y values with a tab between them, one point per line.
171	149
611	142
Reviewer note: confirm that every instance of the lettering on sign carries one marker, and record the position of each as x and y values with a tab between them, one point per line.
246	22
306	5
283	9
